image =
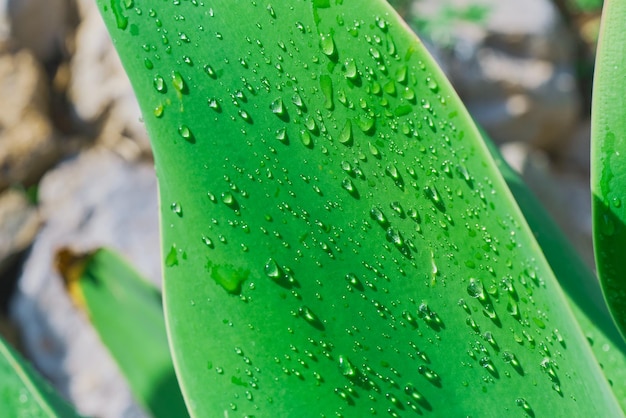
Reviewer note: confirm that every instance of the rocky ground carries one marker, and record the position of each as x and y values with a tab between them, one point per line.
76	169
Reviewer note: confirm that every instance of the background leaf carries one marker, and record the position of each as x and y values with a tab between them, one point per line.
336	237
579	283
23	392
126	311
608	179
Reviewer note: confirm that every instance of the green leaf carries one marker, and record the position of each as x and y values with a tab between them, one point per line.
608	173
336	238
23	392
126	312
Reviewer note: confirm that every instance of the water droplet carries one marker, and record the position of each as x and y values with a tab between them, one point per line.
214	104
511	359
367	124
432	84
326	85
349	186
390	88
271	11
186	134
327	44
281	135
158	111
159	84
374	150
208	242
345	137
310	124
297	100
210	71
486	363
432	193
245	116
476	290
177	209
347	368
273	270
430	375
378	215
351	70
278	108
171	259
354	281
177	82
310	317
522	403
229	200
305	138
120	18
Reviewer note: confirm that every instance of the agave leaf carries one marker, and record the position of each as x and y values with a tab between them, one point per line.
23	392
608	142
126	312
336	238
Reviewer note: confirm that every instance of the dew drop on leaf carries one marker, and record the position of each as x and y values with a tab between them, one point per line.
281	135
272	270
159	84
177	209
327	44
186	134
177	82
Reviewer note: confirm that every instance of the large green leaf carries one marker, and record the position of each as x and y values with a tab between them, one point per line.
336	238
23	392
126	312
608	174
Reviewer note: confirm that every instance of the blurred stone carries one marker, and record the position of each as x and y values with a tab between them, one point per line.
41	26
99	88
515	71
576	155
19	223
97	199
564	193
28	144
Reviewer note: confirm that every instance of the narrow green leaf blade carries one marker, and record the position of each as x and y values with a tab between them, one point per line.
127	313
579	283
608	163
23	392
336	238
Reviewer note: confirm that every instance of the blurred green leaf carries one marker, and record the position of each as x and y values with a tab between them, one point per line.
578	282
23	392
126	312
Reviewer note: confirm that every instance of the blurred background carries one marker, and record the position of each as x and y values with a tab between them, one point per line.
76	167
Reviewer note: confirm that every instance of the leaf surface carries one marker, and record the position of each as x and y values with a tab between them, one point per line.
336	238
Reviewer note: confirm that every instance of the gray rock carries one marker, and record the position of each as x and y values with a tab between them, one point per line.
41	26
99	88
19	223
97	199
28	143
515	71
